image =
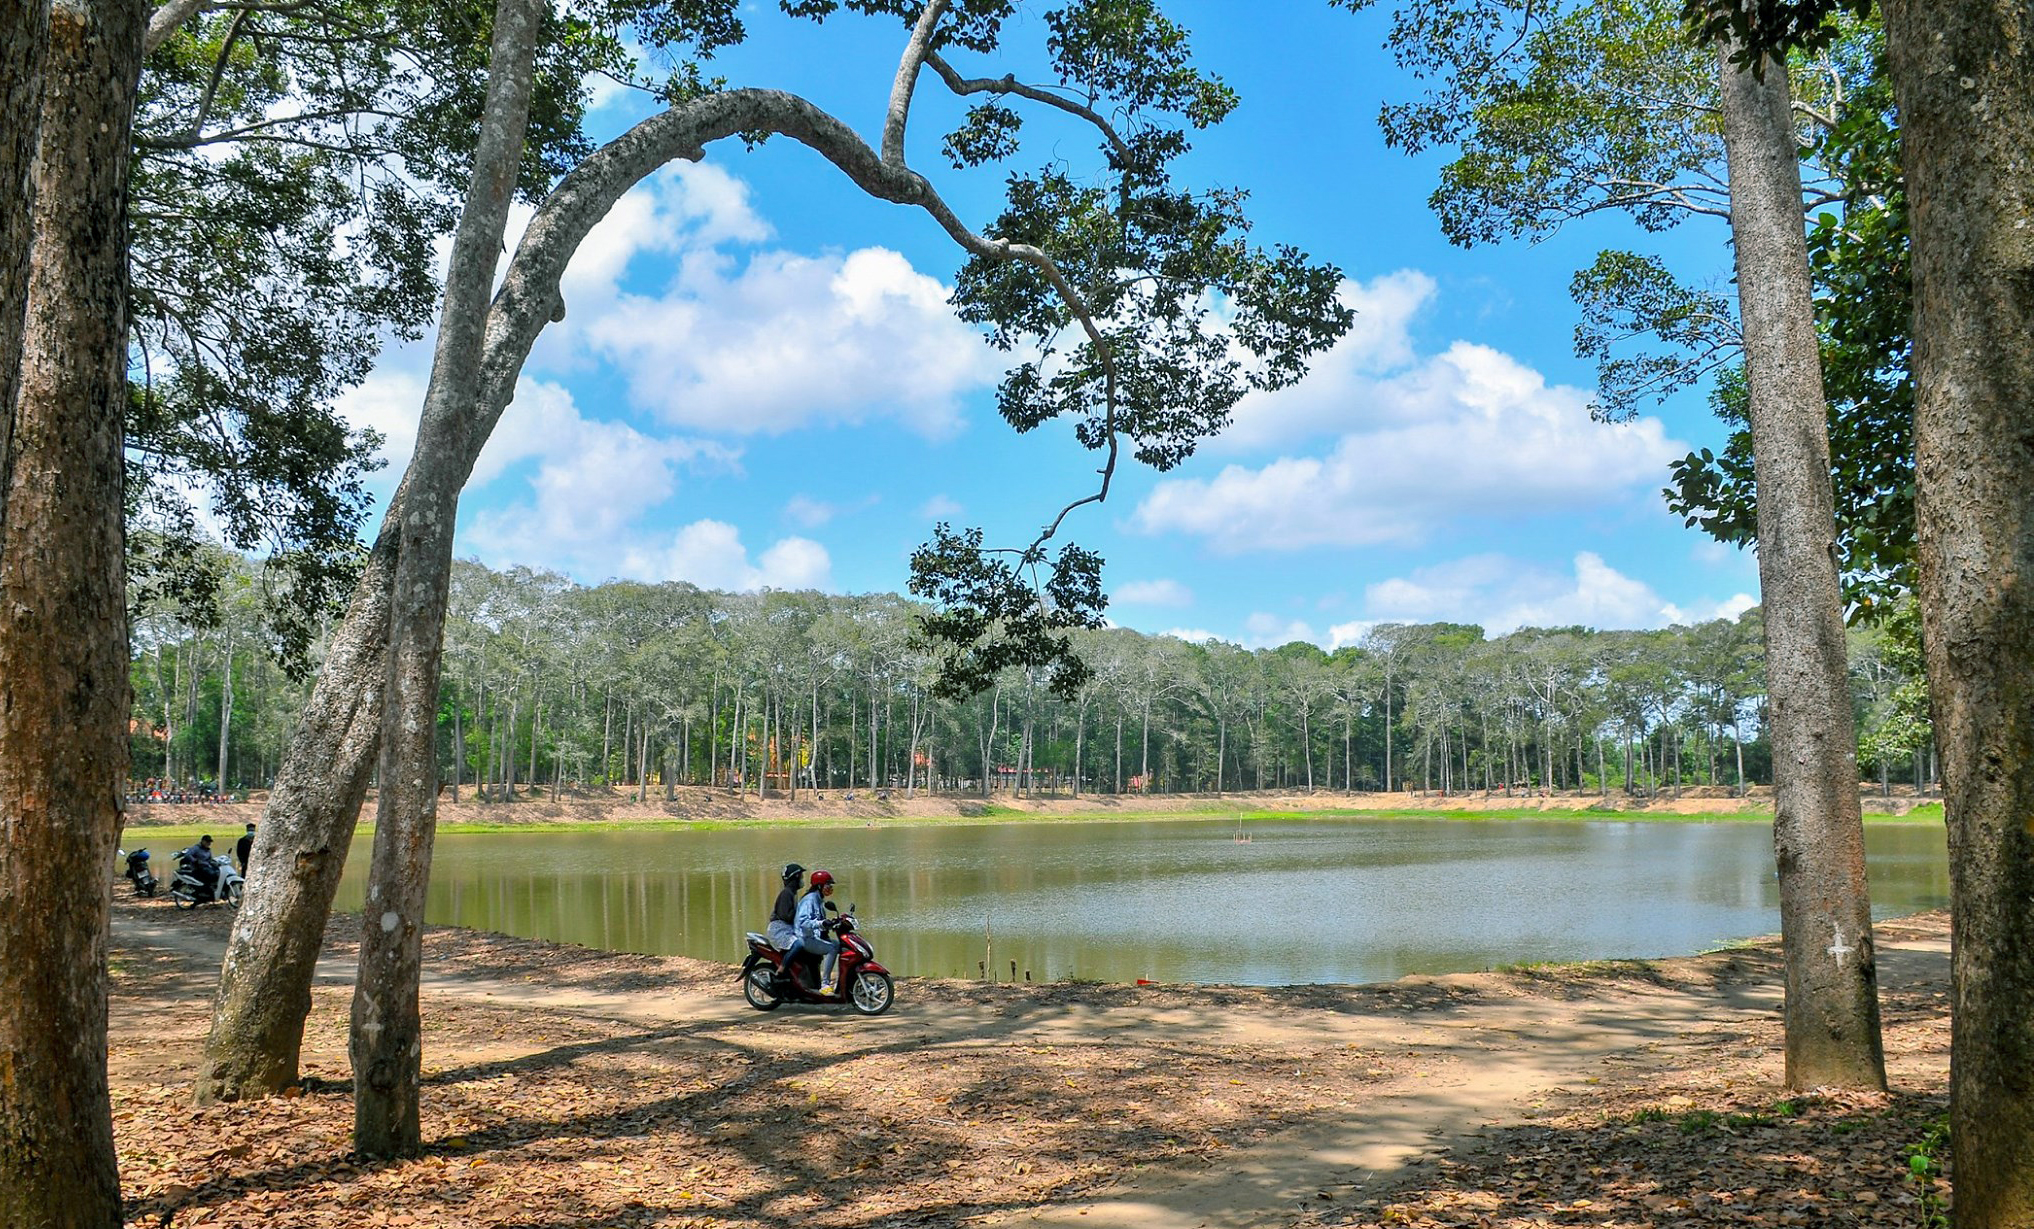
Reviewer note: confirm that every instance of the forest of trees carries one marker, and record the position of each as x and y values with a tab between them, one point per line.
552	686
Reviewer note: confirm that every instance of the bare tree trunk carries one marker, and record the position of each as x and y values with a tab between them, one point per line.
63	618
1965	79
386	1043
225	706
458	746
1832	1006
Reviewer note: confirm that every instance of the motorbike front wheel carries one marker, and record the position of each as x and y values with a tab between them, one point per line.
757	988
872	993
233	894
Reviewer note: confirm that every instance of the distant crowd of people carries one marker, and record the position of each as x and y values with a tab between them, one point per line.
162	789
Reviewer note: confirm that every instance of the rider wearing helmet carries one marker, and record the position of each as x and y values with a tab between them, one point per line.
812	927
782	930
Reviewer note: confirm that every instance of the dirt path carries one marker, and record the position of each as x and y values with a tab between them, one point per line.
570	1087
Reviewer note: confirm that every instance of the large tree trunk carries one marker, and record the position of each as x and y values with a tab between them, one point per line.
1832	1008
1965	79
24	42
63	624
386	1043
265	984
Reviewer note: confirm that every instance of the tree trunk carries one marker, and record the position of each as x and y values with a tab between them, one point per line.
63	618
386	1044
225	708
1832	1006
458	747
1965	79
24	45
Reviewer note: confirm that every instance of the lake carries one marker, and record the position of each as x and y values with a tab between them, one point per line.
1317	900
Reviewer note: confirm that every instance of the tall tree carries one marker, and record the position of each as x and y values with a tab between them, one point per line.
387	1030
1965	76
1569	109
63	628
1832	1001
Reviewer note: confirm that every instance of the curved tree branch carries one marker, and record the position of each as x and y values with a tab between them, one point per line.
529	296
906	83
1010	85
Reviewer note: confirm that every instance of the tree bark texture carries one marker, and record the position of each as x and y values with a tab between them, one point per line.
1832	1010
1964	77
386	1042
24	41
63	633
265	985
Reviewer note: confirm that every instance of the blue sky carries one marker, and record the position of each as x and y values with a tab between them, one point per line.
758	381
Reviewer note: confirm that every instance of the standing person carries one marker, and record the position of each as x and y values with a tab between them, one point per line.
244	849
783	930
812	927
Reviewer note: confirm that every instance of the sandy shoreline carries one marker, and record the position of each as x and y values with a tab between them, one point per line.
699	803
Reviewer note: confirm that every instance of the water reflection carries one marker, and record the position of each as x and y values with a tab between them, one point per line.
1302	901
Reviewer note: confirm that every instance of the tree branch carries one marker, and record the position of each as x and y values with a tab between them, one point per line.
906	83
164	22
1010	85
529	296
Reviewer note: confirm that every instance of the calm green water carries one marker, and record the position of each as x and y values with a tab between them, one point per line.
1303	901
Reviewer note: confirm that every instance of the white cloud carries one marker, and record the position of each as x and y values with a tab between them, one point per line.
390	401
1154	593
710	554
1503	595
1705	612
592	481
790	340
1269	631
809	512
1192	635
1379	341
1342	635
941	508
1471	434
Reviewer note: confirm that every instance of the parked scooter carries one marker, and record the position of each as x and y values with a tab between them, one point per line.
192	887
137	872
862	983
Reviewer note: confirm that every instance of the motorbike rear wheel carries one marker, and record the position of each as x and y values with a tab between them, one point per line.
872	993
181	897
758	989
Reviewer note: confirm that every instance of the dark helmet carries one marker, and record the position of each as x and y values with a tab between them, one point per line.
792	871
821	879
205	841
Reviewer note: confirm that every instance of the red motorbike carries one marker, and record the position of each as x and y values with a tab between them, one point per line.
768	981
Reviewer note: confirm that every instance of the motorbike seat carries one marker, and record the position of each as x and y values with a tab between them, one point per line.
753	937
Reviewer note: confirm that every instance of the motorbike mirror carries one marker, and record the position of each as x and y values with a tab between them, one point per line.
832	906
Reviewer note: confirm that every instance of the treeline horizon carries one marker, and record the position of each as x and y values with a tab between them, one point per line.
550	685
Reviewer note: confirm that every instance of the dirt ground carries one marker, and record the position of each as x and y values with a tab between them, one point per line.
704	803
569	1087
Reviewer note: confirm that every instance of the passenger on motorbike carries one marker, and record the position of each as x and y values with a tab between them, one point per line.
203	863
812	928
782	930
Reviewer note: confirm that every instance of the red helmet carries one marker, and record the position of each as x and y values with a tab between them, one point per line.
821	879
